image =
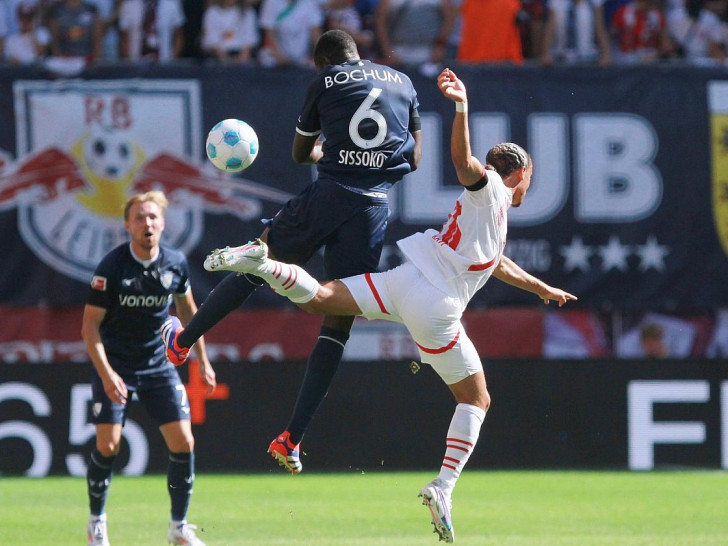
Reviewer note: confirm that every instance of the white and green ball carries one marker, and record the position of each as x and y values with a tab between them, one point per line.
232	145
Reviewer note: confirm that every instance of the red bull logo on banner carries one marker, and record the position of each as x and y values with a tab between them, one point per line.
84	147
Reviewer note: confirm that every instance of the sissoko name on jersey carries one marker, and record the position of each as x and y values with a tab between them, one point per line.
137	298
366	113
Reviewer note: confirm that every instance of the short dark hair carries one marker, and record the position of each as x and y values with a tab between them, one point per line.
507	157
334	47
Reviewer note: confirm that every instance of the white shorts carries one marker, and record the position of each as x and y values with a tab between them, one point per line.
432	318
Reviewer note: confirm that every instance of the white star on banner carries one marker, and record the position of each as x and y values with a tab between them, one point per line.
614	254
576	254
652	254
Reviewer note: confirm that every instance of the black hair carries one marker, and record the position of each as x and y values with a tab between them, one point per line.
334	47
507	157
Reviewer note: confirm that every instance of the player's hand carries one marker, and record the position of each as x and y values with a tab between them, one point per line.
208	375
451	86
557	295
115	388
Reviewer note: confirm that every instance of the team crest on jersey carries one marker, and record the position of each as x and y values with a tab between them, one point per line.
166	279
718	99
84	147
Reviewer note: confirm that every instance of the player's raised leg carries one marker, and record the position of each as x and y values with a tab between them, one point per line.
288	280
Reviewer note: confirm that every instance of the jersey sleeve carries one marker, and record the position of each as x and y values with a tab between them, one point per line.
415	123
485	195
309	122
103	284
184	279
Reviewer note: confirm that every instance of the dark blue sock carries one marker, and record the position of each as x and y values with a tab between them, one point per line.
320	370
98	480
180	479
232	291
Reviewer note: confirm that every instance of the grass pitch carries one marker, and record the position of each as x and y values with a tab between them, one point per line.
669	508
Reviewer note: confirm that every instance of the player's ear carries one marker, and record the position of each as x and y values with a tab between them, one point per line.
321	62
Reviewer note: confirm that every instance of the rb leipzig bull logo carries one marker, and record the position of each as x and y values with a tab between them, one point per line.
74	173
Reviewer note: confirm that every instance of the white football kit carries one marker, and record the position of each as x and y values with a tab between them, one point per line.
444	269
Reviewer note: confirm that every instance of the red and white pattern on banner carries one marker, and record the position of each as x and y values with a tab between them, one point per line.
47	335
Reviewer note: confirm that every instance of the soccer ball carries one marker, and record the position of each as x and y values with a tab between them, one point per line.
232	145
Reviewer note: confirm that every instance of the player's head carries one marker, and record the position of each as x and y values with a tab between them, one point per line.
156	197
334	47
144	219
515	167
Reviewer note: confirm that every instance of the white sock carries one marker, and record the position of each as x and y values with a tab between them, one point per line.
461	439
288	280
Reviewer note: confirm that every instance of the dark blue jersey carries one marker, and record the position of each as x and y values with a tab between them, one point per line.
365	112
137	301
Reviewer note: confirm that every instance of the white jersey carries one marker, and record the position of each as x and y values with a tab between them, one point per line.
460	258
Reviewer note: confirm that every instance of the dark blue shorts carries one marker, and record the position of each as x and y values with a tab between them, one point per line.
350	226
162	394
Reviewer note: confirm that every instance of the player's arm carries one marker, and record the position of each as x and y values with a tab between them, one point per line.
511	273
415	129
469	169
417	151
186	308
306	148
114	385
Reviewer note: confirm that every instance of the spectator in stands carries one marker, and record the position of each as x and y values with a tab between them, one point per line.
703	39
9	14
151	29
366	10
610	7
640	32
414	31
290	30
652	340
575	33
109	14
490	32
532	22
343	15
76	30
230	31
453	41
28	45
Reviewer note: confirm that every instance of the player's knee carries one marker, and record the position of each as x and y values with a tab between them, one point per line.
107	448
485	401
184	445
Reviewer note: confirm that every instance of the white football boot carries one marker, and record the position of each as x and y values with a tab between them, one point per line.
243	259
440	506
96	531
181	532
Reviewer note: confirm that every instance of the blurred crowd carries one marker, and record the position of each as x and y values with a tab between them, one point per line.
66	35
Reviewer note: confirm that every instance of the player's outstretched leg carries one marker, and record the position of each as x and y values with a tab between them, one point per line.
181	532
287	454
96	531
288	280
440	506
243	259
170	330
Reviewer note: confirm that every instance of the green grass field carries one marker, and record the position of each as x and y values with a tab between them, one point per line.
493	508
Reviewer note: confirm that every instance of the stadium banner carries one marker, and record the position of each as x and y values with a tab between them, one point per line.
44	336
637	415
627	208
